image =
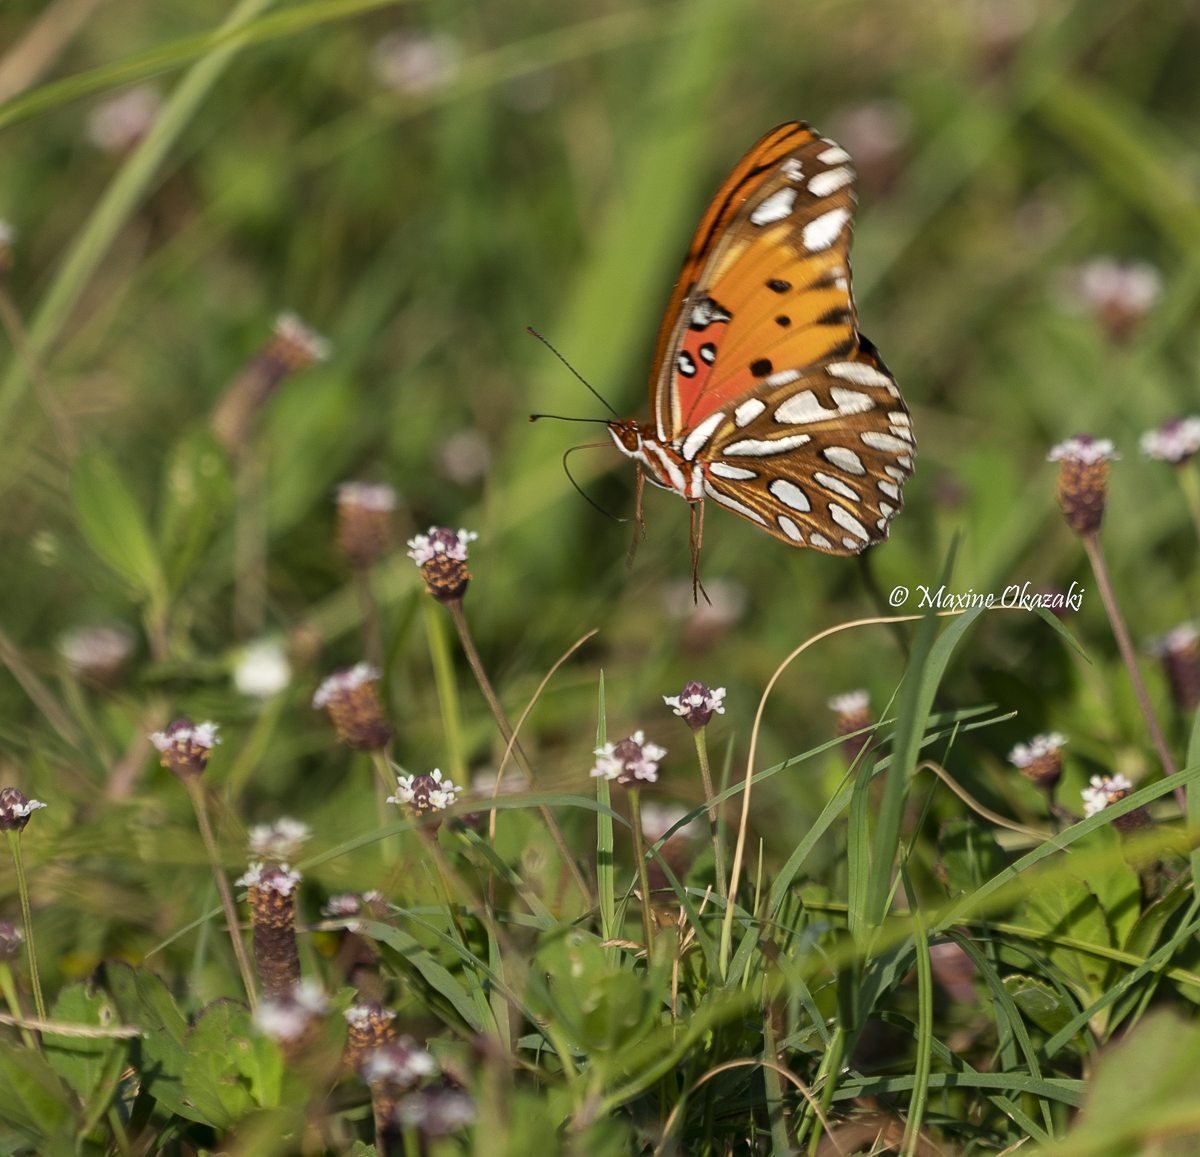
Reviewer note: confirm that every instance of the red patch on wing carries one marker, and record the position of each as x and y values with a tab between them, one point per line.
696	343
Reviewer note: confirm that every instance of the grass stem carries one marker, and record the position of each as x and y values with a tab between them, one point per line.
1095	553
35	979
8	986
372	630
196	791
713	825
639	850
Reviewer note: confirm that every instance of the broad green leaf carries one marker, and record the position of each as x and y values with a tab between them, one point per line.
1071	909
80	1061
31	1095
970	856
112	522
1038	1001
197	494
231	1069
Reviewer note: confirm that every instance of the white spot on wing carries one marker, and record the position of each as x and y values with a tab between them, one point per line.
789	528
825	230
830	181
899	417
820	540
833	156
803	407
847	521
844	458
888	489
850	544
733	473
859	373
905	460
883	442
733	504
748	411
886	510
851	401
792	169
837	486
896	473
765	447
790	495
701	434
775	208
783	378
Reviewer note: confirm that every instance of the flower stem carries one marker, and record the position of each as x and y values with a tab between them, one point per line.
372	631
222	882
706	776
14	843
468	645
1189	483
639	848
1091	543
9	988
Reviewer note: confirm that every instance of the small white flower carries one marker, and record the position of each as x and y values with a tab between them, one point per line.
1083	448
416	65
629	760
196	734
1101	792
1131	286
262	670
850	703
120	123
276	879
428	792
279	841
285	1018
659	818
369	495
1023	754
697	700
1174	441
342	682
399	1063
358	1015
96	649
440	540
1178	640
22	810
314	346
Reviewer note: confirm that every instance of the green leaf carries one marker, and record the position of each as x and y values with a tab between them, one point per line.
1072	909
110	519
1038	1001
31	1095
197	493
80	1061
970	855
231	1069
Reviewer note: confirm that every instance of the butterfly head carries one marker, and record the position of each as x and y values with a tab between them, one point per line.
627	436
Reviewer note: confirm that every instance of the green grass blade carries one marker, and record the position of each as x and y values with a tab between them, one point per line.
858	849
447	689
1193	795
916	1107
604	838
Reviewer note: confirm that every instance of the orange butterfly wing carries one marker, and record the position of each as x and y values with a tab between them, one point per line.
760	372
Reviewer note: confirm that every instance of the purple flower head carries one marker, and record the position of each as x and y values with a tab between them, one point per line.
631	762
442	556
15	809
425	793
186	746
696	704
398	1065
1174	441
436	1112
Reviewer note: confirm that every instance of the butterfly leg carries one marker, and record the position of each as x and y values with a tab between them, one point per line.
639	518
697	509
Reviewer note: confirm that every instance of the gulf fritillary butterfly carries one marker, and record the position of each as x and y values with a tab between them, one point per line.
764	396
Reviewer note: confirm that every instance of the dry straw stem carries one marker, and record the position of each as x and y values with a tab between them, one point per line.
44	40
196	791
62	1028
468	644
1095	553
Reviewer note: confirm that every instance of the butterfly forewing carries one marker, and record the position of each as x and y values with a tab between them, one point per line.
761	375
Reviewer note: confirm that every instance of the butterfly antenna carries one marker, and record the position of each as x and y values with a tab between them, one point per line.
562	418
530	329
567	472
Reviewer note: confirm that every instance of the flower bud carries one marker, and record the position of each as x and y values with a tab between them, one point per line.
853	715
185	747
1083	480
262	669
371	1028
1040	760
631	762
292	347
1105	790
442	556
364	521
273	919
696	704
353	704
1179	651
1174	441
10	940
423	794
15	809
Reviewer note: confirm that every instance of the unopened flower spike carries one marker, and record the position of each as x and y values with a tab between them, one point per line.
425	793
272	891
1083	480
696	704
442	556
185	747
353	704
1174	441
364	521
370	1027
630	762
1040	760
16	810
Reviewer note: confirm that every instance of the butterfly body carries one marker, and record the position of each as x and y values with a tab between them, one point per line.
765	398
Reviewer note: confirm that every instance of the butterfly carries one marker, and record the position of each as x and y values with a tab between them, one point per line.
764	396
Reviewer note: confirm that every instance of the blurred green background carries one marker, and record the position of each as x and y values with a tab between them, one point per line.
420	182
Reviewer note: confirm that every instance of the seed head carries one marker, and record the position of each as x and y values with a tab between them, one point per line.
186	746
370	1028
631	762
10	940
278	842
425	793
436	1112
696	704
1040	760
273	918
364	521
353	704
262	669
15	809
1083	480
853	714
1179	651
1174	441
442	556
